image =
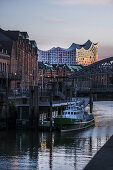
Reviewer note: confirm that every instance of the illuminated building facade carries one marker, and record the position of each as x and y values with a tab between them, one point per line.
88	54
76	54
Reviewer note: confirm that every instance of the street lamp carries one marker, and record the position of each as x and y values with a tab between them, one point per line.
30	79
15	80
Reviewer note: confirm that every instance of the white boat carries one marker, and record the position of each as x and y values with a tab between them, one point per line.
74	118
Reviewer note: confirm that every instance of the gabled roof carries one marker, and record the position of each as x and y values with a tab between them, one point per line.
40	65
71	68
33	42
25	34
12	34
74	68
7	38
7	45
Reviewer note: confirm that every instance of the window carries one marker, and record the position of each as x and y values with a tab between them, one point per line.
3	67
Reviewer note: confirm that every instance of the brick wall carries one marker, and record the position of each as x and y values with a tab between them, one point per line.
24	61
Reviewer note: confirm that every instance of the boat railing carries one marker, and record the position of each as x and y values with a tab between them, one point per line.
65	116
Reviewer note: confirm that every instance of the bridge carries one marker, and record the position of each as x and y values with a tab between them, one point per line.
97	77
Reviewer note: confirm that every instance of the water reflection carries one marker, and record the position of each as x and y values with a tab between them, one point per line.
53	151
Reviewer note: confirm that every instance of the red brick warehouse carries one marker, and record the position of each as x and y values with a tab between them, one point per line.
23	57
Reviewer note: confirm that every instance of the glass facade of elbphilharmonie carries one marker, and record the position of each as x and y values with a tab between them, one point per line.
76	54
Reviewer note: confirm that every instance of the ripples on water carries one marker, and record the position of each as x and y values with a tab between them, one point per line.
45	151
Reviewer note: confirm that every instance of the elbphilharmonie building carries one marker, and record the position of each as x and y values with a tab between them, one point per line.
76	54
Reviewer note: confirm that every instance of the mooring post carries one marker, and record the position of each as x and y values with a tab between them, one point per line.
51	111
91	101
31	106
36	107
51	151
7	101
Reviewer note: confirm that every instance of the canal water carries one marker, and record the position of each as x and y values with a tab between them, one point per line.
45	151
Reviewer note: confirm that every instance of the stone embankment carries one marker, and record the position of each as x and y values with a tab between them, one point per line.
103	160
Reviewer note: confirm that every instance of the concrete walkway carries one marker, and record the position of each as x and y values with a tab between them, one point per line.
103	160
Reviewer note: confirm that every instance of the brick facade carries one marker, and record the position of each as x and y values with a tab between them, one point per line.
54	73
23	57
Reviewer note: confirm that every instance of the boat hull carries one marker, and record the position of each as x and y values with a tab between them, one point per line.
69	125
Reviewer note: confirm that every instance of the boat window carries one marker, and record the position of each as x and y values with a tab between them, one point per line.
75	112
72	113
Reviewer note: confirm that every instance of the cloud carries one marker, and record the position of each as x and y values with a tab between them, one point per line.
55	20
82	2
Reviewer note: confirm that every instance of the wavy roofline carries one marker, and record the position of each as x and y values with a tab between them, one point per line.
85	46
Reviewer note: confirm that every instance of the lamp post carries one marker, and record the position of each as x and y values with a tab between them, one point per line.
30	79
33	114
91	95
91	101
51	118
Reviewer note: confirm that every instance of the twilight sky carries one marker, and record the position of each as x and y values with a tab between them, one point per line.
54	23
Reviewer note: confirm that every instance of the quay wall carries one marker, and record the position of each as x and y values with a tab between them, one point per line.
103	160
